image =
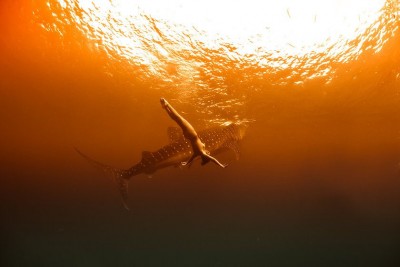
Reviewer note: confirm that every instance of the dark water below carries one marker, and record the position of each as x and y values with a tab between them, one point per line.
317	183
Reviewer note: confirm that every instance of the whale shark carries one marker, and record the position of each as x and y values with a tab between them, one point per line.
198	147
217	140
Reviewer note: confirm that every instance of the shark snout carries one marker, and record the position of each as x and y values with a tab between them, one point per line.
242	128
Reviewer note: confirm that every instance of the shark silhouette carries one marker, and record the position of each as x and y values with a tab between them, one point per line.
179	149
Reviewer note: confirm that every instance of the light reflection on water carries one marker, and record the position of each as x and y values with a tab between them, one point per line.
215	54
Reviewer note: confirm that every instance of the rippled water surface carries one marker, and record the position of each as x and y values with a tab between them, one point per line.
317	82
217	56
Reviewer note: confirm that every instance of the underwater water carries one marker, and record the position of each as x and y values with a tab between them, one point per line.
318	179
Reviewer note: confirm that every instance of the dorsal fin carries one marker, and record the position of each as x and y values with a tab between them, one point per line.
174	134
146	154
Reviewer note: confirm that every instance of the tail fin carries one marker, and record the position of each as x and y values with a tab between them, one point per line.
121	177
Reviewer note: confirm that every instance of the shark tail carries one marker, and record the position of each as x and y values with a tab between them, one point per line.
120	177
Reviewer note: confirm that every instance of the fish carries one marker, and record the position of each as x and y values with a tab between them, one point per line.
216	139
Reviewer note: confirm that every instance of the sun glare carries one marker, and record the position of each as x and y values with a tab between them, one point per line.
294	26
144	31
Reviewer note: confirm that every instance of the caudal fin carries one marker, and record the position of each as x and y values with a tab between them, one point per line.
121	177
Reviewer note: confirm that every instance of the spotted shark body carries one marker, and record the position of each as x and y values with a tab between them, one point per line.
178	150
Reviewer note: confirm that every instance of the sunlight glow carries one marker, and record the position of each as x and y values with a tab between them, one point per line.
212	52
294	26
147	32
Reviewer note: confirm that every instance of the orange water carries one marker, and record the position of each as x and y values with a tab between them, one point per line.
320	93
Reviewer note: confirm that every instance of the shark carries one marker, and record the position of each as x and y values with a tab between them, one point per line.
216	139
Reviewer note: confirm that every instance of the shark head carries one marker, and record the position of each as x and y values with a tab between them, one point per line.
241	130
238	130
